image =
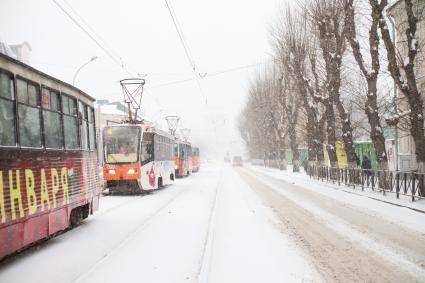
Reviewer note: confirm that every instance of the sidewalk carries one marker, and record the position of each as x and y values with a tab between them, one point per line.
353	196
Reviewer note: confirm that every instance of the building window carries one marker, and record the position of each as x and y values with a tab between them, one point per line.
7	111
29	114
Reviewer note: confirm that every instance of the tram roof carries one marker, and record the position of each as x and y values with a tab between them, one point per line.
145	127
40	73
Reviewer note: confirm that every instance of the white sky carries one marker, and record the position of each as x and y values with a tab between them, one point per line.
221	34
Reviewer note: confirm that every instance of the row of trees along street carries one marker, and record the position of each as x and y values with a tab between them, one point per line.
334	68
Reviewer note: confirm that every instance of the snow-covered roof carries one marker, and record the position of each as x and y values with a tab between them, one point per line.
5	49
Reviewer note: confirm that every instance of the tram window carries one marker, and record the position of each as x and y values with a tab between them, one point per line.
28	93
69	105
70	125
176	149
6	86
92	131
147	152
54	101
45	98
73	106
29	126
22	89
33	95
7	123
50	99
52	129
65	104
84	143
7	112
84	127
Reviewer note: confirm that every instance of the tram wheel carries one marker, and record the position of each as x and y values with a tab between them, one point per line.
76	217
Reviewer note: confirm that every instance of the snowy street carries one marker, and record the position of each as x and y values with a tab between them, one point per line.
227	224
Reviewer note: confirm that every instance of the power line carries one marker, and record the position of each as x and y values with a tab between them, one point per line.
191	62
185	47
107	52
182	41
213	74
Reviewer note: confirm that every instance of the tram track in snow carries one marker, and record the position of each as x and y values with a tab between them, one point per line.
129	237
203	273
45	241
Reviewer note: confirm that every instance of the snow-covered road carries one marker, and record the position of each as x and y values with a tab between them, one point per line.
207	228
349	238
228	224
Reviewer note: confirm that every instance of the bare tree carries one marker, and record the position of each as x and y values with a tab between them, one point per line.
370	74
402	69
292	44
327	18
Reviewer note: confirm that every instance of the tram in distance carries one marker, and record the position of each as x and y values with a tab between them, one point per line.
182	158
137	158
196	162
48	161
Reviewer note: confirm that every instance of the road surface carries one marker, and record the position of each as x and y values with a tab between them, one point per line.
228	224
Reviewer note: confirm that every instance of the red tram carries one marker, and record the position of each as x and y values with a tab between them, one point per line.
48	161
138	158
183	159
196	162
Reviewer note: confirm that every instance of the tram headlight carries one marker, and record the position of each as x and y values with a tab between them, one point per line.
111	171
131	171
176	167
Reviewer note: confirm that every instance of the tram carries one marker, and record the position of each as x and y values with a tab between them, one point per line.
196	162
183	158
137	158
48	161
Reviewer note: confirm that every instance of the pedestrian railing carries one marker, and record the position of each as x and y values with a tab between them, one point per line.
410	184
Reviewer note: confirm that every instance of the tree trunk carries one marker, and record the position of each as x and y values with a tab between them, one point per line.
295	153
371	105
330	130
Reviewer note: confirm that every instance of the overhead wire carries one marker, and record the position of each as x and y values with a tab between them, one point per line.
101	46
116	58
192	64
212	74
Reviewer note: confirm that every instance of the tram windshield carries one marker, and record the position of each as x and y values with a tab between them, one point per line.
121	144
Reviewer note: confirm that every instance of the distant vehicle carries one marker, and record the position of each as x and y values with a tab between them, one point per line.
182	158
48	161
237	161
138	158
196	162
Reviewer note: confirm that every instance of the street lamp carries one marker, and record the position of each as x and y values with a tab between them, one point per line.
82	66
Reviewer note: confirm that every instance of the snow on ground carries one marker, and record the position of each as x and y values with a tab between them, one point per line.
398	214
209	227
346	243
246	246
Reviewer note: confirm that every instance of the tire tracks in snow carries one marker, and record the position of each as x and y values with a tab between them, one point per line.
339	251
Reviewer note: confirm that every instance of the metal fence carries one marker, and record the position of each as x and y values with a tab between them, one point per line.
410	184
